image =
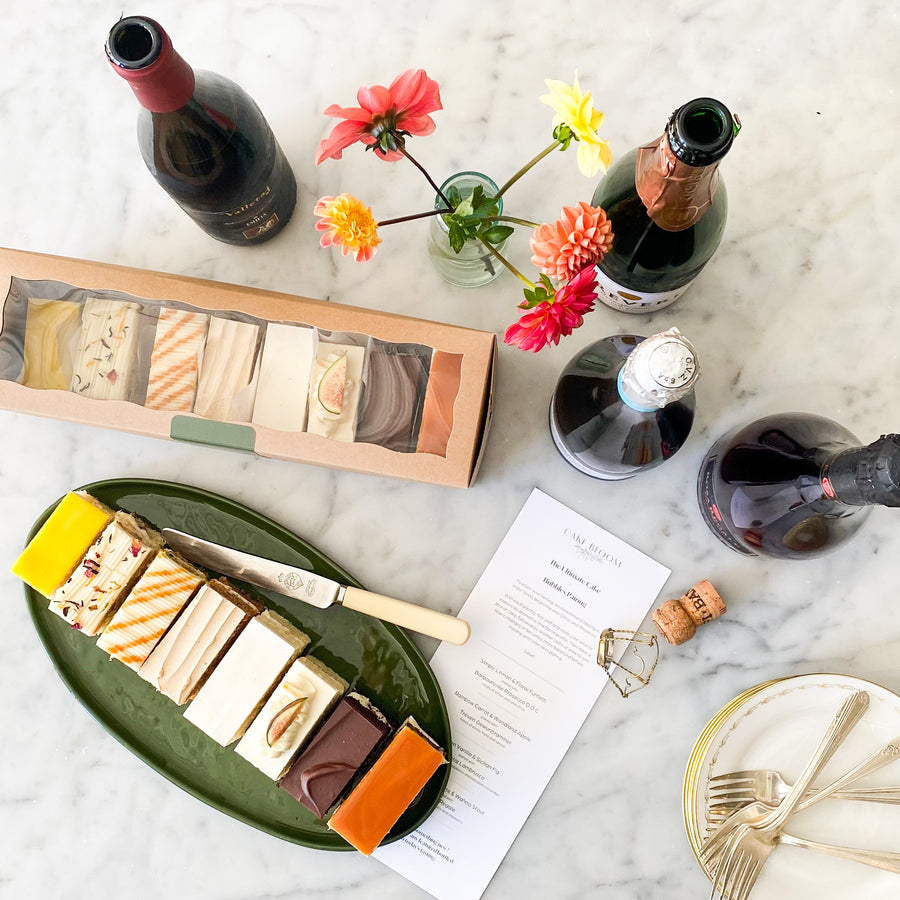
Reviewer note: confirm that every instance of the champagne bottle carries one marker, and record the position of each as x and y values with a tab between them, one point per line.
667	205
625	404
795	485
203	139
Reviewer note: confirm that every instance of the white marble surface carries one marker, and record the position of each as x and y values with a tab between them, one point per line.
797	310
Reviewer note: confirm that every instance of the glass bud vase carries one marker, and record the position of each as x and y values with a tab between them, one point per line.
474	265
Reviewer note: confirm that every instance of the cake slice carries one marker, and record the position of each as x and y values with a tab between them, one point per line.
104	360
175	360
337	751
373	807
180	663
297	705
61	542
240	683
142	619
284	371
100	582
51	330
440	398
334	391
227	366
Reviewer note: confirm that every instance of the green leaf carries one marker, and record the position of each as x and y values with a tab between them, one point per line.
457	236
496	234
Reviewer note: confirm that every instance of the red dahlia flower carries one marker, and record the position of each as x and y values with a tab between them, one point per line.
384	116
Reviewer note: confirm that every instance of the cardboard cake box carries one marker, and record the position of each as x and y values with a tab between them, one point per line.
219	364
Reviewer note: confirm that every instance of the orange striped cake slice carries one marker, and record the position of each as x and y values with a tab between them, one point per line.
174	363
154	602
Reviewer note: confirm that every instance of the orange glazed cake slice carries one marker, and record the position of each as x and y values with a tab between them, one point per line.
60	544
175	360
373	807
159	595
102	580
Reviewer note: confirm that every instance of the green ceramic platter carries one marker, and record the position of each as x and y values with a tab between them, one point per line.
376	658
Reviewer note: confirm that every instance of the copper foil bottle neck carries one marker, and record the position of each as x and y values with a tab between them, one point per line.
676	176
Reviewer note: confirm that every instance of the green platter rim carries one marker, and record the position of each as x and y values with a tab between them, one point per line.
390	669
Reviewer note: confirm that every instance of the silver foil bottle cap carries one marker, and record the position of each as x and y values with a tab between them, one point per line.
659	371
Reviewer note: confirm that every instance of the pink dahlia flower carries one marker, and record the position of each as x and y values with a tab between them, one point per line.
555	316
580	237
383	114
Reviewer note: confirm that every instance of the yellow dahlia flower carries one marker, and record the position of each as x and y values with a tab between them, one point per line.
347	222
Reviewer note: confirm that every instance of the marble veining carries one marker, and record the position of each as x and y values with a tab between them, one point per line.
797	310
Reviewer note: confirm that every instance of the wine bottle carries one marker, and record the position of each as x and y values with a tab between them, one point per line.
625	404
203	139
795	485
667	205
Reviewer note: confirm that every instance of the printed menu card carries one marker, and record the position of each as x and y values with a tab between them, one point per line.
520	689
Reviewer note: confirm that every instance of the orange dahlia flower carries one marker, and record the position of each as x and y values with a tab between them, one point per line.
347	222
580	237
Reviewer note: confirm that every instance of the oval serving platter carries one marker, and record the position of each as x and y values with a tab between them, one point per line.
376	658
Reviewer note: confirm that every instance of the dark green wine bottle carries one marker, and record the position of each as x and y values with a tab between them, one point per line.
667	205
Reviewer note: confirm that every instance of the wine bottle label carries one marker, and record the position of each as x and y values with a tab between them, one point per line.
628	300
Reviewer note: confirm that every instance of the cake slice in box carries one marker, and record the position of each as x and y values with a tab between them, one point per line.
61	542
185	655
241	682
175	360
142	619
339	748
104	360
307	692
334	391
103	578
227	367
373	807
284	371
51	330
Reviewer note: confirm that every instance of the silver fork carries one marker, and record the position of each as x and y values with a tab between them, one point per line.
741	846
730	791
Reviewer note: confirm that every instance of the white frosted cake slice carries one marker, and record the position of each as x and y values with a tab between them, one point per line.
159	595
178	665
306	693
107	343
100	582
227	366
334	391
284	371
240	683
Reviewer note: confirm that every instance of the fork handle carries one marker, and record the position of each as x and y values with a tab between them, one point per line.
881	859
877	760
875	794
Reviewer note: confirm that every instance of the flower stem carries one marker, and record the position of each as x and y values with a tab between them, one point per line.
516	221
493	250
409	218
430	180
545	152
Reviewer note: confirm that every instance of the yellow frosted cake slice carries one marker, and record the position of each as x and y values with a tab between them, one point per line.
240	683
142	619
100	582
60	544
51	330
306	693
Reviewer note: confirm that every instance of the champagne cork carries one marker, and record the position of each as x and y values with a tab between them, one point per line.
678	620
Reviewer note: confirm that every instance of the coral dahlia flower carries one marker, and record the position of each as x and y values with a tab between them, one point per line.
580	237
555	315
347	222
384	116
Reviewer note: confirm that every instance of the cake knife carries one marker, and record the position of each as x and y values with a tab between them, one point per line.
316	590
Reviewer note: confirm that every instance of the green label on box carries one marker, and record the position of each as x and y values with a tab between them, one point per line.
216	434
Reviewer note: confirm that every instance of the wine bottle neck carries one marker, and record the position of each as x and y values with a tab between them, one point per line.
142	53
660	370
863	476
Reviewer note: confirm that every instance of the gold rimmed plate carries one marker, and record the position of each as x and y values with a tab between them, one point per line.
777	725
